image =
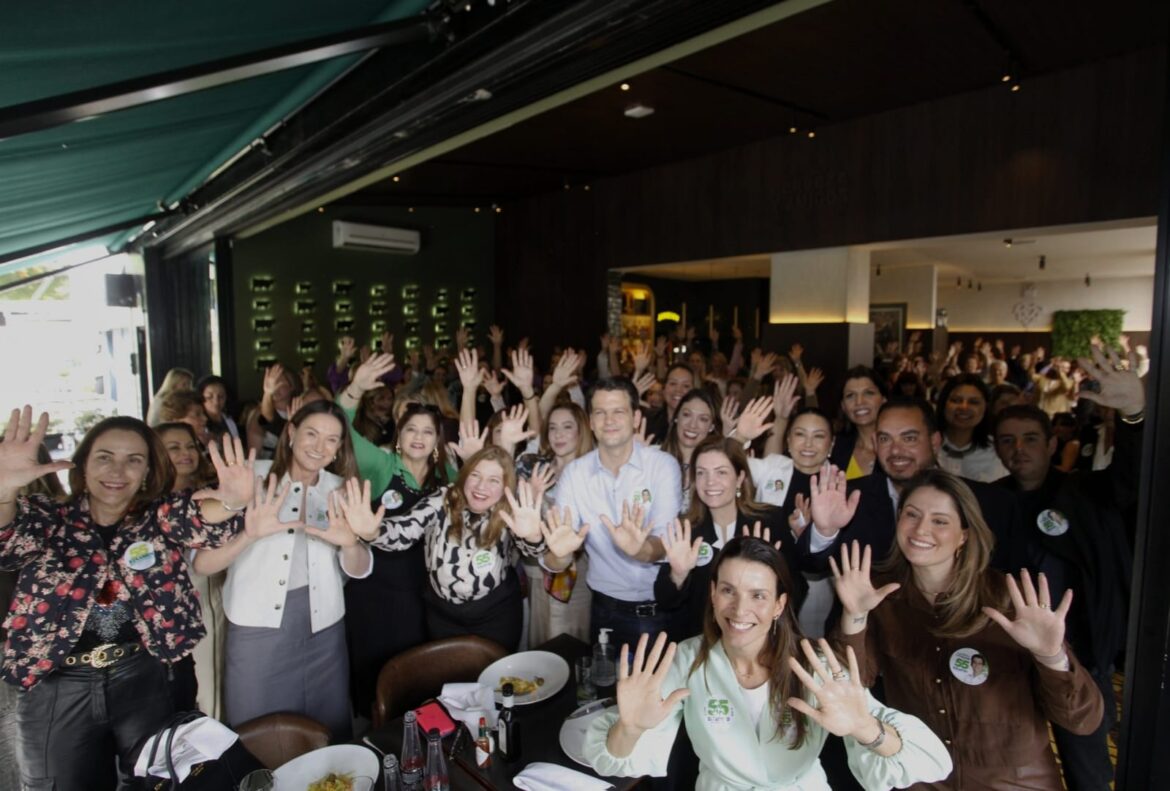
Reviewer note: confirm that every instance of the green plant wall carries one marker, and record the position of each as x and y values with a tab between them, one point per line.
1073	329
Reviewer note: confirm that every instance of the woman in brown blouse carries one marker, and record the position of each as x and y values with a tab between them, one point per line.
976	655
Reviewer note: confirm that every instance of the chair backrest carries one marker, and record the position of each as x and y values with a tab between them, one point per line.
276	739
419	673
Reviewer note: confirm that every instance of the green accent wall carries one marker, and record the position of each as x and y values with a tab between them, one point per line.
313	288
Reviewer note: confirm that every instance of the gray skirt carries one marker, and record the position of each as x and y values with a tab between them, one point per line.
289	669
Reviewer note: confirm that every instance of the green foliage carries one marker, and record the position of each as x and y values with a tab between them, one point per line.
1072	330
87	420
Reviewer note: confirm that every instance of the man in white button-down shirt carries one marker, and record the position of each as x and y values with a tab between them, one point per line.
629	493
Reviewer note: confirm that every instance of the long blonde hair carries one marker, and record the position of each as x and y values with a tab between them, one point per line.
971	587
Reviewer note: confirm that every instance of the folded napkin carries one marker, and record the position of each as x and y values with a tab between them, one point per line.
468	702
201	740
553	777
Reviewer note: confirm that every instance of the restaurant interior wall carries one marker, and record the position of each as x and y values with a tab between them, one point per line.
295	295
1080	145
917	286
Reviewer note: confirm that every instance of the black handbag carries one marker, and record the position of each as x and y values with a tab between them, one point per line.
223	774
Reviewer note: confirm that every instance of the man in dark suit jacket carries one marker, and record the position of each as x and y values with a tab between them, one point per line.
908	442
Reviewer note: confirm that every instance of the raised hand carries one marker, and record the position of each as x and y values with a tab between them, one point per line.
559	536
795	353
832	508
353	506
1121	389
644	382
565	373
512	429
854	587
368	375
235	473
631	532
467	366
296	403
524	520
801	515
641	361
493	384
713	335
753	421
762	365
262	518
729	414
842	708
615	344
640	429
681	553
461	336
338	533
758	530
18	453
471	440
660	345
812	380
273	376
496	335
1037	627
639	688
346	349
387	342
543	477
784	397
737	333
522	373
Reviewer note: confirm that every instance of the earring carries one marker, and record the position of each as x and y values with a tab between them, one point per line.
775	622
435	455
738	492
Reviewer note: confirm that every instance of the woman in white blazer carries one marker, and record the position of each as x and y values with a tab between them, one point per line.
754	712
283	595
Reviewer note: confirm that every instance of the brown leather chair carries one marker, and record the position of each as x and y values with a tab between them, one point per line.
419	673
276	739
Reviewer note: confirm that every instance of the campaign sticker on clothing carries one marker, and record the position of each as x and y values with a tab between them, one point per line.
139	556
392	499
481	559
1052	523
970	666
705	554
775	486
641	498
719	713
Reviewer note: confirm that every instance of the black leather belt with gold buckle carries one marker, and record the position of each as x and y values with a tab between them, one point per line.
104	655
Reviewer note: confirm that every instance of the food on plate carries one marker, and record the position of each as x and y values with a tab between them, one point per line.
333	782
521	686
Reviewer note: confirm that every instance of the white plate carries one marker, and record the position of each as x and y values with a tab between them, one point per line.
528	665
573	734
297	774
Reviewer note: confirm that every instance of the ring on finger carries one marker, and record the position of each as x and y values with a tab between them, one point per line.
1044	606
840	675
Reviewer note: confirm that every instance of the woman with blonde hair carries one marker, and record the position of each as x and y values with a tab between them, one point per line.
939	606
175	379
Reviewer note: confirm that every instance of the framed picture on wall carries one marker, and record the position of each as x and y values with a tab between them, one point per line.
889	324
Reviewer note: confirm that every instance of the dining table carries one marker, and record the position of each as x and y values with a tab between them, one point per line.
539	723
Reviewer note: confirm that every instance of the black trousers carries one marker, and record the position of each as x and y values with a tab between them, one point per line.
79	728
499	616
1085	760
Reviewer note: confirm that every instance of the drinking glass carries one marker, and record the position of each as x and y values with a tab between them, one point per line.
584	670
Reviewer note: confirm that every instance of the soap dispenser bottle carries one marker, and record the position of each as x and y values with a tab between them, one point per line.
604	667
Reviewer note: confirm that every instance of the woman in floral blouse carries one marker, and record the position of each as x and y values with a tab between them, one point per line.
104	604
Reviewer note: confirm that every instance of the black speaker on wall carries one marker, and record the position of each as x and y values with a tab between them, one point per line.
121	291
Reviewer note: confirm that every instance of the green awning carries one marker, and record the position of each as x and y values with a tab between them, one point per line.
70	180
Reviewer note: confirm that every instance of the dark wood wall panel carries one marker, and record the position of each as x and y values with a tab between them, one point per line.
1076	146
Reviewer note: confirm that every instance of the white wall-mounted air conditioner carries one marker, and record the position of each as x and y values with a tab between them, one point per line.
375	238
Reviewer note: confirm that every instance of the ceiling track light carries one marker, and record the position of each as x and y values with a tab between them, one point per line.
970	284
1007	242
959	282
979	287
1043	262
879	270
1088	280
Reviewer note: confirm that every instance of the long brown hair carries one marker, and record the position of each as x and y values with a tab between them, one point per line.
205	472
456	500
971	588
671	444
584	433
783	640
160	475
345	465
745	498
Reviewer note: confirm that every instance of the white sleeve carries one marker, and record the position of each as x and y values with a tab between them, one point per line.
922	759
817	542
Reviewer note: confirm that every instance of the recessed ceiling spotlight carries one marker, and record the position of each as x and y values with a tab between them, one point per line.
638	111
811	134
625	86
1007	242
792	130
397	179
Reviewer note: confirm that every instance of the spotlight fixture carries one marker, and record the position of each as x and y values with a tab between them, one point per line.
625	86
411	210
792	130
1088	280
811	134
638	111
1015	86
320	210
979	287
1007	242
397	179
586	188
970	284
879	271
499	210
959	282
566	185
1043	262
1006	78
477	210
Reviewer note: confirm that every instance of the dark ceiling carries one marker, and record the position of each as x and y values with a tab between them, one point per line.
839	61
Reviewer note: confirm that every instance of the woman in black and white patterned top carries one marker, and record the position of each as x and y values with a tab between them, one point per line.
470	529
